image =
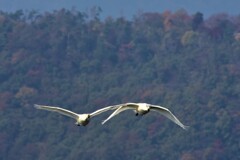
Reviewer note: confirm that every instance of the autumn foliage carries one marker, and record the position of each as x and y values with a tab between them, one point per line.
80	62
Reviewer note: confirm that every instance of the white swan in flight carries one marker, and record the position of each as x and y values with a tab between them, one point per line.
81	119
144	108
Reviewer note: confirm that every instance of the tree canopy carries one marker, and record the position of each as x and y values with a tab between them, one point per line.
70	59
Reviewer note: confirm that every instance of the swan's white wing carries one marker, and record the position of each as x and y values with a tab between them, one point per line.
58	109
164	111
99	111
121	108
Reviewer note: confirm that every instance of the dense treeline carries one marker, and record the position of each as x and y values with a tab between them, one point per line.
67	58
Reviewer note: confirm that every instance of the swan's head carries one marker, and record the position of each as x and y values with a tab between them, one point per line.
83	119
143	108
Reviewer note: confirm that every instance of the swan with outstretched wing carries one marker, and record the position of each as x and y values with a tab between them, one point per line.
81	119
144	108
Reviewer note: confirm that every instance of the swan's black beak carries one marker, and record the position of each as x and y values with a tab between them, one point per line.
77	124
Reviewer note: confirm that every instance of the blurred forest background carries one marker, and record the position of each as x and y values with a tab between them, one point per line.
75	60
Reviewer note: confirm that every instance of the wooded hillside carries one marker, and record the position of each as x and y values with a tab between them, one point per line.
67	58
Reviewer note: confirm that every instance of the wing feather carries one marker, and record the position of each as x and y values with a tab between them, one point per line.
99	111
165	112
58	109
120	109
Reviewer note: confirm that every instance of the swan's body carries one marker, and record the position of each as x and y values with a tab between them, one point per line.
81	119
144	108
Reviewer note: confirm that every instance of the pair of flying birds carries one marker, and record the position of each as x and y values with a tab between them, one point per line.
138	108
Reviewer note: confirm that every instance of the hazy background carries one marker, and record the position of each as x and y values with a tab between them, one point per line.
126	8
